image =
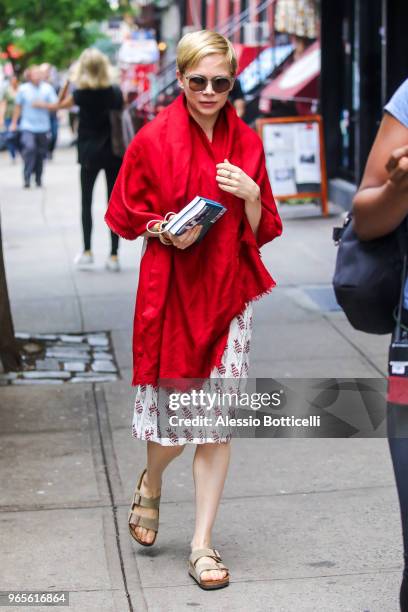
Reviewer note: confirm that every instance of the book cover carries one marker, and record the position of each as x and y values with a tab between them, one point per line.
200	211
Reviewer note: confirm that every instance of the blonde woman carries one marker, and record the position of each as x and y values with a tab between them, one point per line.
193	312
95	96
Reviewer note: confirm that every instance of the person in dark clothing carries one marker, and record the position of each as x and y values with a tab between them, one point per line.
96	97
48	75
237	99
8	97
397	428
380	206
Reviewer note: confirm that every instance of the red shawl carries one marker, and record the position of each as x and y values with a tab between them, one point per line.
186	299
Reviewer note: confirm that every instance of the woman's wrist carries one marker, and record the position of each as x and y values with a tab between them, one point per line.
165	240
392	193
254	198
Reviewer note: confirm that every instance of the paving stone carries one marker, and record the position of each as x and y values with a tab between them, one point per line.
75	366
44	336
47	364
22	335
8	376
72	339
103	366
67	354
102	356
82	348
98	340
38	374
86	374
37	381
95	378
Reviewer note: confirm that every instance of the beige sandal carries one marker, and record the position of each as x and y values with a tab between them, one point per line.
136	520
196	575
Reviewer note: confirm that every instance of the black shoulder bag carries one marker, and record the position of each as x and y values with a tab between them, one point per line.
368	277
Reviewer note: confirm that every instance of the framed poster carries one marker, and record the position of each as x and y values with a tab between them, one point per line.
295	160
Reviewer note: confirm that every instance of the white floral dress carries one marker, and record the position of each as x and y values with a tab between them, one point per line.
151	409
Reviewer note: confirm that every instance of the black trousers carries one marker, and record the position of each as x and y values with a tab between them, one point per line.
397	426
88	178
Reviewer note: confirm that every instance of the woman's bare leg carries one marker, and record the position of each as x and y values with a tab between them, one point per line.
210	468
158	458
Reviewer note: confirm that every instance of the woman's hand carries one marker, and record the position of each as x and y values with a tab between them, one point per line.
186	239
397	168
234	180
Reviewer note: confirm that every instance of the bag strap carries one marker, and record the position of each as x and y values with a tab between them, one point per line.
403	244
402	234
399	325
338	231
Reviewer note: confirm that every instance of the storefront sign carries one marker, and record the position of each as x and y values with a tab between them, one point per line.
295	159
139	51
263	66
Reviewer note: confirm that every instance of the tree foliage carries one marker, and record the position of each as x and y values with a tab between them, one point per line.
54	31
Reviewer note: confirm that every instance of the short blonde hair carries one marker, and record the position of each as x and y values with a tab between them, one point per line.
92	70
194	46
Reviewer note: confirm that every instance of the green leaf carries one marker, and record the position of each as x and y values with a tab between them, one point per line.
54	31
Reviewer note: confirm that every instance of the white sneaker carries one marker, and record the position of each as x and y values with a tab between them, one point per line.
84	261
112	264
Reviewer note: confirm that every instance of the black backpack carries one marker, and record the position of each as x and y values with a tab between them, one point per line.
368	277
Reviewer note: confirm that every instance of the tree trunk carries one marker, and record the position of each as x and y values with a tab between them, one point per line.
9	353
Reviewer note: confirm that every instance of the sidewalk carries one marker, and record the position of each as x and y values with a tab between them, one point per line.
304	524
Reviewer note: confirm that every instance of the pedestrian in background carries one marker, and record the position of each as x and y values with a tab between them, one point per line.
95	96
49	75
34	124
238	99
6	114
193	315
379	207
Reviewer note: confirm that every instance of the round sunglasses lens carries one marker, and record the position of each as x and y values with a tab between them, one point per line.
221	85
197	83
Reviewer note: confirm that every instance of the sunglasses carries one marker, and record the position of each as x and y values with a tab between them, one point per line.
220	84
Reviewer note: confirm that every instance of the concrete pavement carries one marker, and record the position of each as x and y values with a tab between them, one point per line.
305	524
